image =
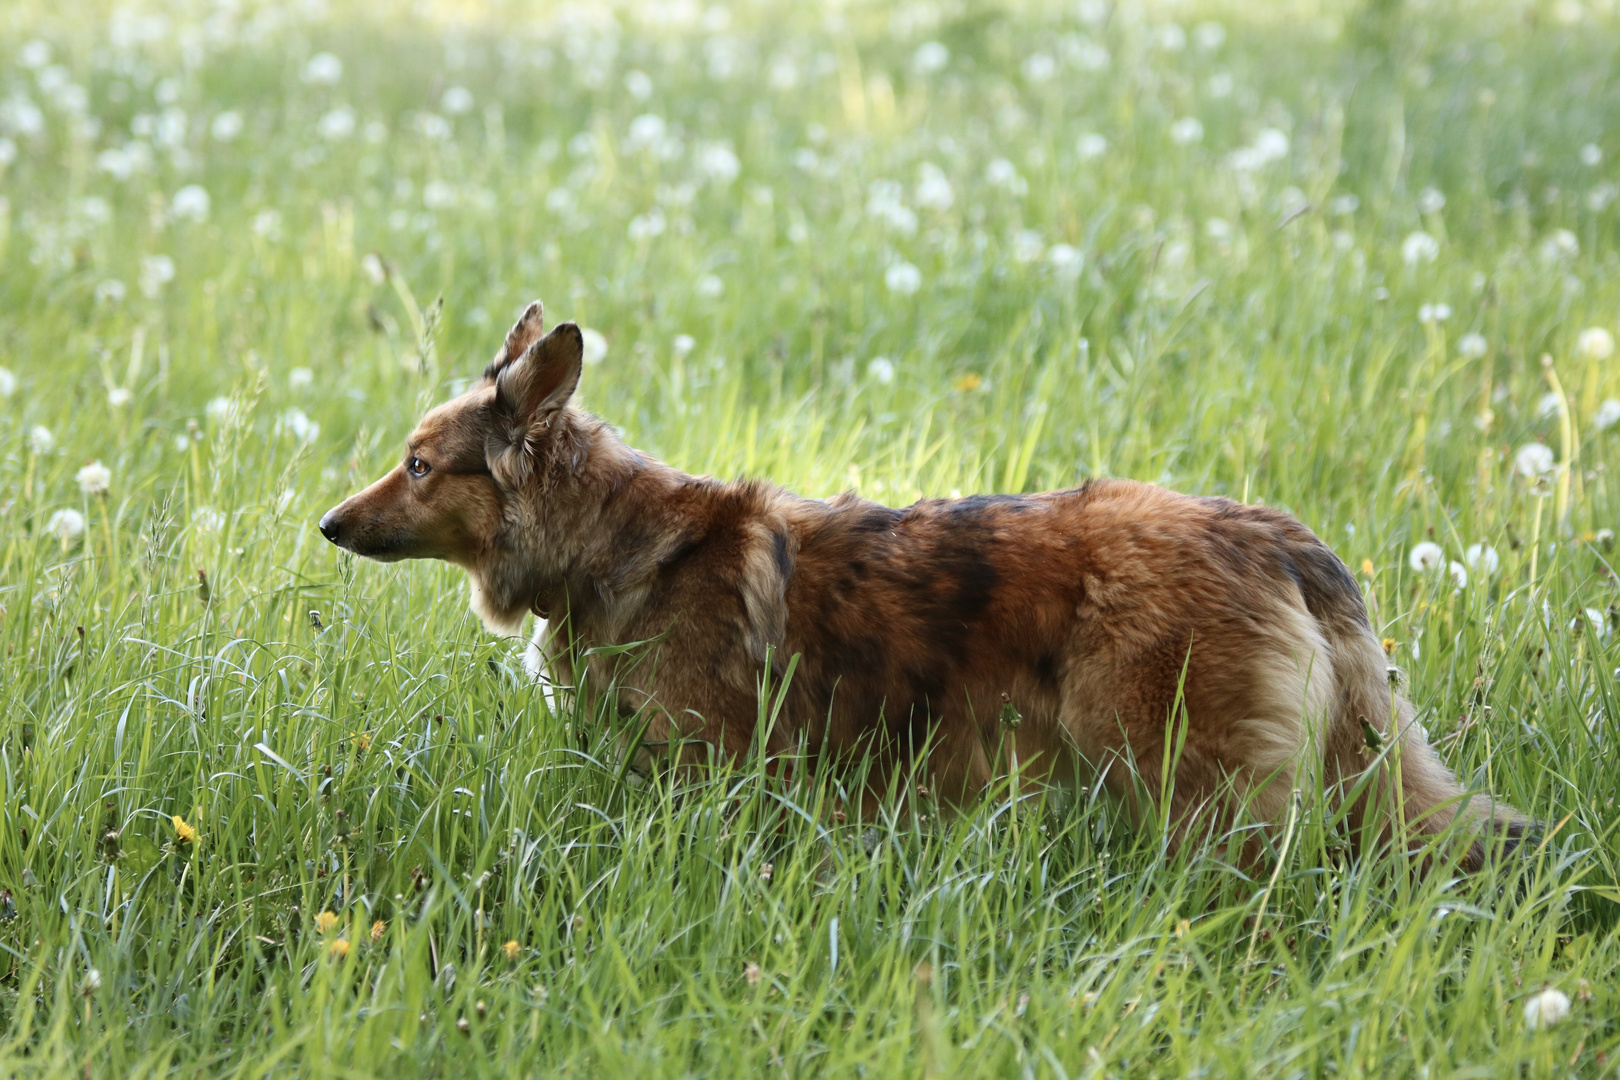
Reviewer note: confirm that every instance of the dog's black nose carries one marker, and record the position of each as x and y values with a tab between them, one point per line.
329	526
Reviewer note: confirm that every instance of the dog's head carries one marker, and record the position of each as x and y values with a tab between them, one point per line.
451	496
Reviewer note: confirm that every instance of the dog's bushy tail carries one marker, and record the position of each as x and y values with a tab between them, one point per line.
1370	714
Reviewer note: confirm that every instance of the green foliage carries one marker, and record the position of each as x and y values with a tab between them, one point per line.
865	246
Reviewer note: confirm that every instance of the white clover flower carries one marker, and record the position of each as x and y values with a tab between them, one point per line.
156	272
717	162
1607	415
1027	246
1003	174
1534	461
648	225
595	347
1549	406
94	479
1431	201
934	190
323	69
1186	131
1594	343
902	278
296	423
66	525
1039	67
1482	559
190	203
221	410
1434	313
8	382
337	125
709	286
1472	346
682	345
882	369
1209	36
456	101
40	440
931	56
226	126
1065	260
1426	556
1090	146
119	396
1419	247
1591	155
1459	575
267	224
1560	245
207	519
1544	1009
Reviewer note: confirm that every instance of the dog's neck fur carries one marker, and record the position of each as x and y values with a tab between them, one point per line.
560	523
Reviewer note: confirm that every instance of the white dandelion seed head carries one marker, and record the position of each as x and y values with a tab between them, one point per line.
337	125
1560	246
1459	575
639	83
1426	556
267	224
1431	201
647	226
1271	144
1419	247
119	396
931	56
190	203
1482	559
1534	461
8	383
1607	414
111	291
1549	406
1186	131
595	345
709	287
1039	67
226	126
323	69
221	410
933	190
94	479
902	278
156	272
40	440
1472	346
456	101
1066	260
66	525
1209	36
1091	146
1599	621
718	163
1594	343
1434	313
1591	155
35	54
1003	174
1546	1008
299	378
296	422
882	369
1344	205
207	519
682	346
1027	246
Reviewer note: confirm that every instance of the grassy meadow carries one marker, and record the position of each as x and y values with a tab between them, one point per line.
269	811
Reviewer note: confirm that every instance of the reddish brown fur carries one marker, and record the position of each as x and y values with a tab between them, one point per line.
1092	611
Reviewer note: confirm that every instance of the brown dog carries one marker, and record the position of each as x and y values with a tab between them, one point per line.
1116	624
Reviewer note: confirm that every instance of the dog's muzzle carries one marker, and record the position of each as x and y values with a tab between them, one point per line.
331	527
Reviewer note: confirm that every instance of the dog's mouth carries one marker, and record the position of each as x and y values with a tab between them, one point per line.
362	541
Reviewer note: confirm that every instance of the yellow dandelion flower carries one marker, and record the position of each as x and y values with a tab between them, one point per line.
184	833
362	741
378	929
511	948
1389	646
969	382
1367	568
326	921
339	948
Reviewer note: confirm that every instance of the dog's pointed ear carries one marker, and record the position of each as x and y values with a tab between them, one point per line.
542	379
525	332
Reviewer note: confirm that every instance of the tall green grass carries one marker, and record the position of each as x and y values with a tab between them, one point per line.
214	730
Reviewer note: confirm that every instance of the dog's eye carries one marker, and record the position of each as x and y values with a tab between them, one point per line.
417	467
